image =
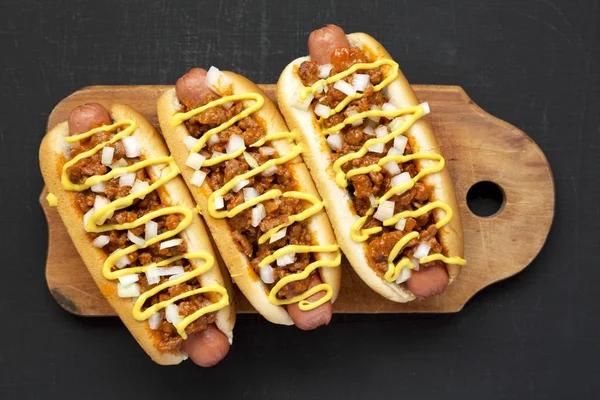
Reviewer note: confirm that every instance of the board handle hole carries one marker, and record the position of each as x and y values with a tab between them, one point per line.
485	199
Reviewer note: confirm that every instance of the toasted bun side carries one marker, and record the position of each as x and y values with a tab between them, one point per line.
237	263
52	158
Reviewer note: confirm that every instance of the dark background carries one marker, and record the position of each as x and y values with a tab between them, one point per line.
534	64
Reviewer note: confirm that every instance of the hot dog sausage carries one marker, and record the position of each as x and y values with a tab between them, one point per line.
428	281
206	348
322	42
308	320
86	117
192	87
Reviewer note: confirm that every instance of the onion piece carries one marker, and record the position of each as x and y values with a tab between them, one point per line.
381	131
219	202
100	201
392	168
422	250
322	110
266	151
120	163
127	179
394	151
385	211
369	131
216	154
176	276
139	187
400	180
266	274
154	321
213	139
190	142
345	88
401	224
198	178
388	107
132	148
361	82
122	262
372	200
425	107
415	263
250	193
324	70
135	238
87	216
98	187
258	214
352	113
195	160
107	155
101	241
132	290
278	235
396	123
250	160
241	184
377	148
172	314
300	104
400	143
151	230
127	280
335	141
405	274
375	118
235	143
218	81
286	259
170	243
270	171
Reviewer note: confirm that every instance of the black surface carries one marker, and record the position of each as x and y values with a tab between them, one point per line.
534	64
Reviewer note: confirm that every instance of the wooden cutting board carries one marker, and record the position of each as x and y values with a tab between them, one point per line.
477	147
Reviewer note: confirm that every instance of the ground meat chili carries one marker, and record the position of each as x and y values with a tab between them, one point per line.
362	187
278	210
169	339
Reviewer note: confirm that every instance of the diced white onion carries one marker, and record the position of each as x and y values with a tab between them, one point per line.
235	143
170	243
286	259
335	141
176	276
120	163
322	110
377	148
392	168
216	154
361	82
250	193
98	187
388	107
345	88
122	262
400	180
278	235
396	123
270	171
218	81
372	200
300	104
250	160
400	143
324	70
422	250
190	142
151	230
101	241
129	279
132	148
107	155
135	239
127	179
385	211
213	139
154	321
87	216
415	263
266	274
405	274
172	314
369	131
266	151
352	113
132	290
195	160
139	187
153	273
229	104
425	106
394	151
219	202
374	118
241	184
401	224
258	214
381	131
100	201
198	178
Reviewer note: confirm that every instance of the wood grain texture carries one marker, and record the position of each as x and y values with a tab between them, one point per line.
477	147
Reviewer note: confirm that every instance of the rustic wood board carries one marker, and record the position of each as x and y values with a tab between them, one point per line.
477	147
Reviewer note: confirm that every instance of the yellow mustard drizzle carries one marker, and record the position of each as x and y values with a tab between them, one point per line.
51	199
414	113
95	223
316	204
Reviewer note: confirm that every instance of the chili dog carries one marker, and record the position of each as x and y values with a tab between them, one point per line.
134	224
247	176
375	158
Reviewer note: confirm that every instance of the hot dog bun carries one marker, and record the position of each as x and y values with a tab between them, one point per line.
318	159
238	264
54	152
